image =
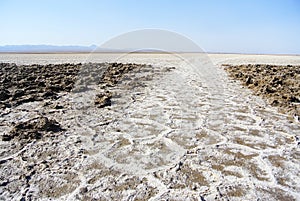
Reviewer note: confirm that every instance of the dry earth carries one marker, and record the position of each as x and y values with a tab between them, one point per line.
280	85
152	131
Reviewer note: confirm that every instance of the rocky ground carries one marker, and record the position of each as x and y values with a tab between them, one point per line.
123	131
280	85
28	83
45	85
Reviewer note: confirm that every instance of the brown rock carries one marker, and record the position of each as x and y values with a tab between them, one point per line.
4	95
103	99
32	129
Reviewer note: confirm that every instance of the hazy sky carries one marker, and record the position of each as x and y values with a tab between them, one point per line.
251	26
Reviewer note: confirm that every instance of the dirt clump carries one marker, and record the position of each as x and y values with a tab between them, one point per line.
33	129
103	99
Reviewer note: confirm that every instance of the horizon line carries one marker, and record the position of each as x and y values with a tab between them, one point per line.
142	52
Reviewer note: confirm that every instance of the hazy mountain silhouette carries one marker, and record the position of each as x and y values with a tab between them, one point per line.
46	48
69	49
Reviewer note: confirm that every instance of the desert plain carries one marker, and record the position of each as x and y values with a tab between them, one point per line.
149	127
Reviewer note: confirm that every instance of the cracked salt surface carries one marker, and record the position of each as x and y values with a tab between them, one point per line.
167	135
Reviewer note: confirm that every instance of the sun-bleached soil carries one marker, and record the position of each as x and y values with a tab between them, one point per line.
142	127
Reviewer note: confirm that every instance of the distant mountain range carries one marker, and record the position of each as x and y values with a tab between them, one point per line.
66	49
47	48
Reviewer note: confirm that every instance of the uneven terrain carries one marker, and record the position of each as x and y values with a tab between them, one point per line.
142	127
279	85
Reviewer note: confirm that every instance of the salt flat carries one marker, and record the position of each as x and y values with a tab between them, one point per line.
82	57
179	130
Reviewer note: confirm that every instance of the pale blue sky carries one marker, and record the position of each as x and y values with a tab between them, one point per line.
247	26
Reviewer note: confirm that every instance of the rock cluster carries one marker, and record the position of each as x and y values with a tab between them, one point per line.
32	129
103	99
110	78
280	85
115	73
27	83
